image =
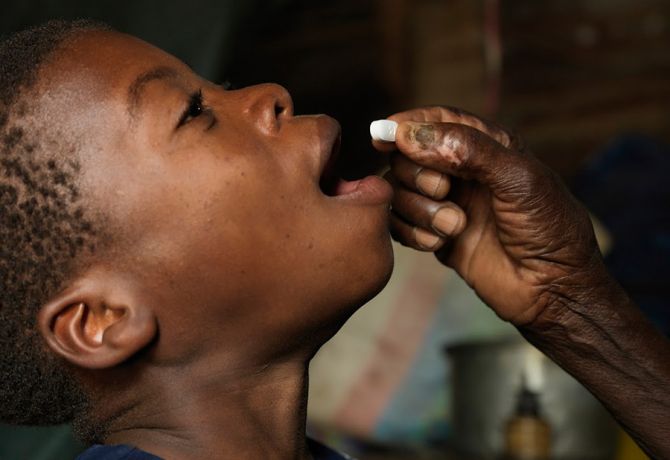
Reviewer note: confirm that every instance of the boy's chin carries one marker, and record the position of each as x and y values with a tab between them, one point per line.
363	281
354	306
374	277
380	275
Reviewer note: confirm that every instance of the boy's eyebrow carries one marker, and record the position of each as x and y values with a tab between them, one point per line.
137	86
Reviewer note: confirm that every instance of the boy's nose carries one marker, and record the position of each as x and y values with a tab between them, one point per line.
269	106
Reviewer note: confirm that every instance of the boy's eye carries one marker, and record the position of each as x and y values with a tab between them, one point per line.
195	109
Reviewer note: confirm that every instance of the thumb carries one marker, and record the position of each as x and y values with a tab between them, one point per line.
463	151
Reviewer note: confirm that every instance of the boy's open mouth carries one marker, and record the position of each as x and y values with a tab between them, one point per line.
372	190
331	183
369	189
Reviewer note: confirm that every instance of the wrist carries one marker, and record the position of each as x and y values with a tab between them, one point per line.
589	292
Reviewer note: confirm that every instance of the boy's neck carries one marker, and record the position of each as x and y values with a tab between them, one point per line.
252	413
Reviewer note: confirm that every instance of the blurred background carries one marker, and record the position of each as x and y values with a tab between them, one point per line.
426	370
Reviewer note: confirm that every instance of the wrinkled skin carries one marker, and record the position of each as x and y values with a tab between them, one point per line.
523	237
527	247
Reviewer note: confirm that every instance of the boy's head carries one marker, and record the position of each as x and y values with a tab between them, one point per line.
152	222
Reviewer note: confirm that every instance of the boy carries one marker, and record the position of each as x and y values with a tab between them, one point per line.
173	254
178	244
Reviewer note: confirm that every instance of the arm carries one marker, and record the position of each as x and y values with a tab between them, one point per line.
510	228
598	335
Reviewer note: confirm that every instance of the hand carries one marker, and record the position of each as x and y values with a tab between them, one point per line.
468	191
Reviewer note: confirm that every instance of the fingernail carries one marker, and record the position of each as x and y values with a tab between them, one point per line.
446	221
422	134
425	239
429	182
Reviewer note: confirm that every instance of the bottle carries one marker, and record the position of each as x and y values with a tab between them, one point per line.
527	434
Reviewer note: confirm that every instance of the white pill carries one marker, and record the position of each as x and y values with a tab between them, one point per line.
383	130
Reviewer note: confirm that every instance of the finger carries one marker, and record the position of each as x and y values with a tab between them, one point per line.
414	237
391	179
383	146
444	114
415	177
464	152
441	217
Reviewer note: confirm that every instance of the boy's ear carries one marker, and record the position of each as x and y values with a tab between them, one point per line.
97	323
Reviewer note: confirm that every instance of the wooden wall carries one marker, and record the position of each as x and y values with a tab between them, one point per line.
567	75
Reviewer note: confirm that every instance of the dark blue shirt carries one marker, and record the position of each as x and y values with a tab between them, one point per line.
122	452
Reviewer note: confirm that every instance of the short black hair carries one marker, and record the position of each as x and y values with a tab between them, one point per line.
44	229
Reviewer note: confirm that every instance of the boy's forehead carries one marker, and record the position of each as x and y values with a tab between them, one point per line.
102	65
87	83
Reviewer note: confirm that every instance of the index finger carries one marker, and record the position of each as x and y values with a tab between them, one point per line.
443	114
462	151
